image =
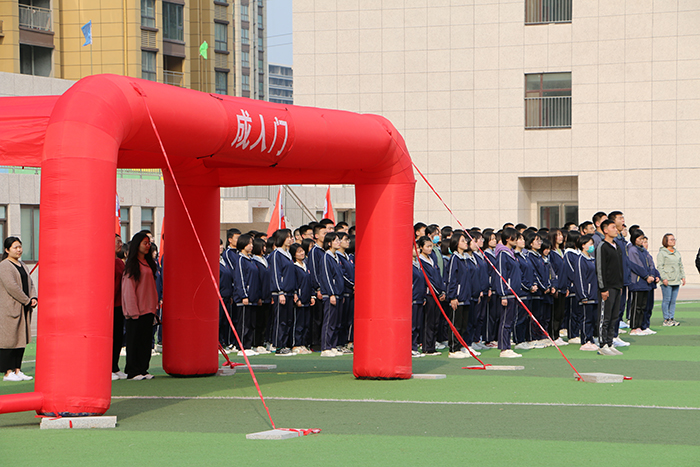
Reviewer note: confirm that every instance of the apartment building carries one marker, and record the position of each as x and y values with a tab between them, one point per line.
149	39
281	84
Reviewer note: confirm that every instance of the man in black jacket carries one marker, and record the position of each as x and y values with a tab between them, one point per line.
608	258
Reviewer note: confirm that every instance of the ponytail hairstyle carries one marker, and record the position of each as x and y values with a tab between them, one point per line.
132	268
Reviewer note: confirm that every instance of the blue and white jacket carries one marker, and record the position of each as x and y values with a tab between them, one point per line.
245	281
282	275
419	286
331	275
510	270
458	286
585	280
303	280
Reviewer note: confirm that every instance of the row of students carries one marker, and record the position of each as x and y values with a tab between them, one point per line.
553	273
273	288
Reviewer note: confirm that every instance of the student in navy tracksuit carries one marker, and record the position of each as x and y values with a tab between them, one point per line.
521	331
226	292
475	284
619	219
261	339
304	299
573	310
332	287
458	293
548	278
650	299
431	311
541	294
481	285
418	301
556	262
348	304
493	305
509	270
313	263
246	292
585	283
282	285
642	278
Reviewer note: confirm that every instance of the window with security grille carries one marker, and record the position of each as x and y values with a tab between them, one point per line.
548	100
547	11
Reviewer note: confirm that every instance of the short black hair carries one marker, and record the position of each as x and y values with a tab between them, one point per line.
568	225
571	238
521	226
231	232
341	225
327	222
605	224
243	241
304	228
258	246
317	228
417	226
582	240
598	216
328	240
614	215
281	236
508	233
584	225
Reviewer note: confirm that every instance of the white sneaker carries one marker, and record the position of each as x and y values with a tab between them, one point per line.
575	340
523	346
457	355
149	376
624	325
614	351
648	331
589	347
617	342
563	333
247	352
121	374
561	342
622	331
24	377
538	344
509	354
478	346
138	377
115	377
473	351
605	350
329	353
416	354
261	350
12	377
440	345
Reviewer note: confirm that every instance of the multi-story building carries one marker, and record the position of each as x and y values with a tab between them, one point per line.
281	84
534	111
155	40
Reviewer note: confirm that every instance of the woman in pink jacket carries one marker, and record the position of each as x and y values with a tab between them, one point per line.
139	304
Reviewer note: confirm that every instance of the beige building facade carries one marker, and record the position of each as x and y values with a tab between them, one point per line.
533	111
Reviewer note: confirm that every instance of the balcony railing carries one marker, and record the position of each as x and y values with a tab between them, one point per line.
34	17
547	11
174	78
548	112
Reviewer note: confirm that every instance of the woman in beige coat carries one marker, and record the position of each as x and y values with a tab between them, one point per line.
17	299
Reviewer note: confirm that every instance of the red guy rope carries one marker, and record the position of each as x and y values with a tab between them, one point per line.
204	256
579	377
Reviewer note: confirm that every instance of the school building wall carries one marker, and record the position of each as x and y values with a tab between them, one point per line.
451	74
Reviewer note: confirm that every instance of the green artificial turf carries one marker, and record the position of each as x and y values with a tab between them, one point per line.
537	415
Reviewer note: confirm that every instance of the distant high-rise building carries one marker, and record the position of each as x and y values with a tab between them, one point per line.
281	84
149	39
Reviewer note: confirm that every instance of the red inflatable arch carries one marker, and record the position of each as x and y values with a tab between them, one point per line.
79	139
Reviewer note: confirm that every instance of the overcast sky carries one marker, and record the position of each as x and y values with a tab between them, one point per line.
279	31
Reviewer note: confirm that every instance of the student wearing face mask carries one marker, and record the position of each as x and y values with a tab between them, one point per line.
586	285
433	233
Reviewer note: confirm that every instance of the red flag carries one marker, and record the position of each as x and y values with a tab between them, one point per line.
118	226
277	219
162	240
328	207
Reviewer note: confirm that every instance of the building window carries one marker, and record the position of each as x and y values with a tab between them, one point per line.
548	100
551	215
260	21
147	219
245	83
30	232
260	43
261	89
244	13
547	11
124	224
244	36
3	222
34	60
172	22
245	59
221	36
148	65
221	83
148	13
